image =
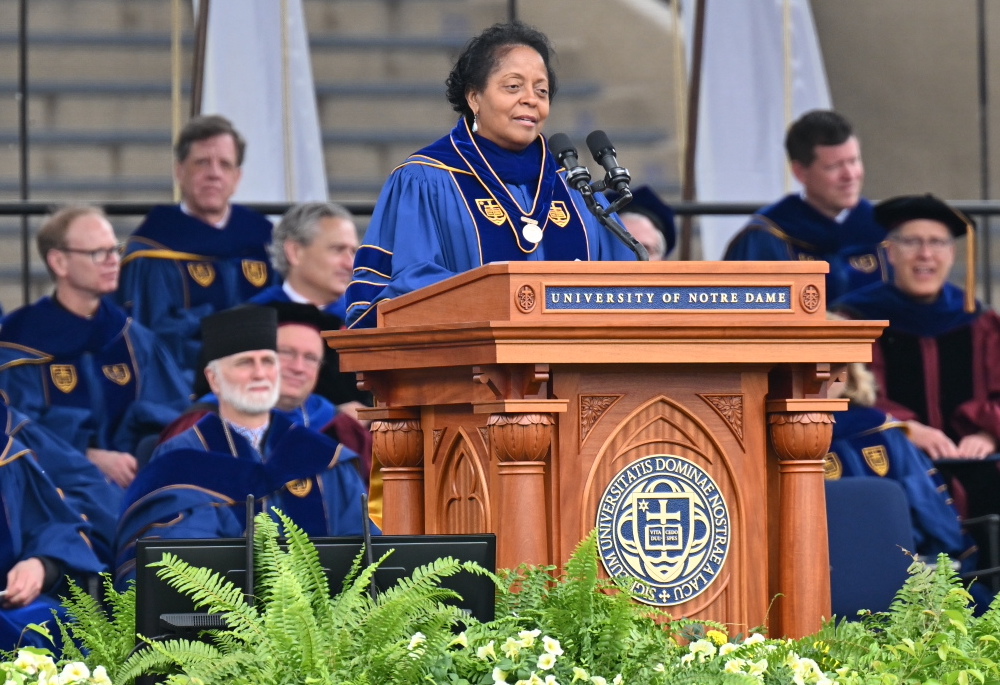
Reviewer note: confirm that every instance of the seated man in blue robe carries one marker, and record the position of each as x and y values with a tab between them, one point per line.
196	482
41	542
828	220
313	251
105	380
185	262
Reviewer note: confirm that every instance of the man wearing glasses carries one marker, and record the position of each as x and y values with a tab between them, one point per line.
102	381
937	366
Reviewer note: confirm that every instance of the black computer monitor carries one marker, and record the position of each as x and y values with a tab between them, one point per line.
158	606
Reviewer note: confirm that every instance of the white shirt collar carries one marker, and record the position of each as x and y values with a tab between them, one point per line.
219	225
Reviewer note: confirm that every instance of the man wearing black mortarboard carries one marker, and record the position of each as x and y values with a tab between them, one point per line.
196	483
650	221
937	365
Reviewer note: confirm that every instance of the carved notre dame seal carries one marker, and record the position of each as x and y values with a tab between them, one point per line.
663	521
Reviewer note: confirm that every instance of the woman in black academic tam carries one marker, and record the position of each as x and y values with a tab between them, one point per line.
937	365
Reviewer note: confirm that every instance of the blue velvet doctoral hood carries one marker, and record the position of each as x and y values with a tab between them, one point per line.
886	301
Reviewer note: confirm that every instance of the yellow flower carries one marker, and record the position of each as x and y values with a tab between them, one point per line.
580	674
717	636
546	661
462	640
552	646
727	648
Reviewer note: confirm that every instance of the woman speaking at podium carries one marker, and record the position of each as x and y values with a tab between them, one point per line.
489	191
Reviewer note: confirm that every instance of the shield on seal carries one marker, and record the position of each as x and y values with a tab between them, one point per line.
663	525
63	377
865	263
117	373
202	273
492	210
255	271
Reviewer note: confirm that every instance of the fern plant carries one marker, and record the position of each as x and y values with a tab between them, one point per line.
296	632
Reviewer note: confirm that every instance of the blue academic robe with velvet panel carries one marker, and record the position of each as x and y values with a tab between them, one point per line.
869	443
441	214
276	293
36	522
105	381
793	230
196	486
177	269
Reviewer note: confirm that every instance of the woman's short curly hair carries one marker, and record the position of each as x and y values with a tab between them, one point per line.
482	55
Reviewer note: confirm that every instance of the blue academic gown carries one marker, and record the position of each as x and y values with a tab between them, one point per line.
867	442
197	483
793	230
106	381
276	293
444	211
36	522
177	269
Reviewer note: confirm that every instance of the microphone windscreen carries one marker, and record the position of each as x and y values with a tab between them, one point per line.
560	144
599	144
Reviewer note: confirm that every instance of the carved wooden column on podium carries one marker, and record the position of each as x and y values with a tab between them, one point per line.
398	445
800	432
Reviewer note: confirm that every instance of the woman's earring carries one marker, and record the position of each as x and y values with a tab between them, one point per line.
475	123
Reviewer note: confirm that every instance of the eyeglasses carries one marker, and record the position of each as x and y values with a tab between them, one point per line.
98	256
310	360
912	244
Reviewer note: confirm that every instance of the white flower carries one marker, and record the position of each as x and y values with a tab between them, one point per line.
659	668
552	646
598	680
28	662
417	640
754	639
546	661
687	659
734	666
511	647
101	676
528	637
580	674
704	649
487	651
551	680
757	668
74	672
728	648
461	640
618	680
499	677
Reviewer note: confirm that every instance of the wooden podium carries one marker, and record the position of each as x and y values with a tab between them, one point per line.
677	407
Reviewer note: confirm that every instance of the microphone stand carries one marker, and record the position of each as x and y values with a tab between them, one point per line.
603	215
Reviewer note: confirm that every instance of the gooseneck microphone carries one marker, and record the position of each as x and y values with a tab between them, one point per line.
617	177
578	178
577	175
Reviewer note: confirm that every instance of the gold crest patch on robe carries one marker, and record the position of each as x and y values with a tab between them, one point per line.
558	214
63	377
877	459
301	487
865	263
832	468
203	273
117	373
255	271
492	210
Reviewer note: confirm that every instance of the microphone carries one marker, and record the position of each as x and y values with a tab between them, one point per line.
617	176
577	175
